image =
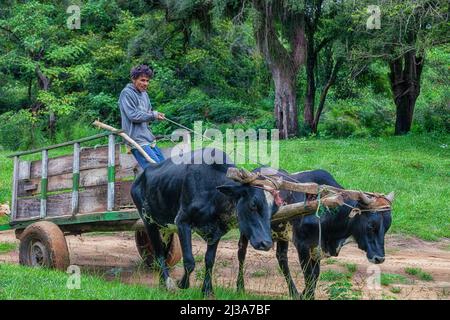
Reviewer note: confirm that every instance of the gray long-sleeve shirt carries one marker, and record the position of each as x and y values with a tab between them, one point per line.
136	112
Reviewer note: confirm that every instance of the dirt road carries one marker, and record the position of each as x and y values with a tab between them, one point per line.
115	255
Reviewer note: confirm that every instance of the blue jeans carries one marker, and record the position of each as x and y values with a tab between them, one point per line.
154	153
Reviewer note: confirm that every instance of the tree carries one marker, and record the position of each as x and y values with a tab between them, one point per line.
30	34
408	29
280	35
328	38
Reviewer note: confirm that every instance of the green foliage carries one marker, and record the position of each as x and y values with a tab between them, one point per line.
221	113
218	77
20	130
365	115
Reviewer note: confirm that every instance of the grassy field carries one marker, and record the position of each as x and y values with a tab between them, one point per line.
416	167
18	282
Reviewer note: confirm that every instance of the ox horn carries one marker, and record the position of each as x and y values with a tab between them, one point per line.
390	196
365	199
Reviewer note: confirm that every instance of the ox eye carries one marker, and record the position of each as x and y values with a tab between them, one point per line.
252	205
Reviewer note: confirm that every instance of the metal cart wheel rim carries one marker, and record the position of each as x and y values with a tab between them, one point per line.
38	253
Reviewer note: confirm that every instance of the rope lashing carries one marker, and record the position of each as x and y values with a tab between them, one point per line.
279	201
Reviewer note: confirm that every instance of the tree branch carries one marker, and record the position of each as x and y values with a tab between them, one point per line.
12	33
323	96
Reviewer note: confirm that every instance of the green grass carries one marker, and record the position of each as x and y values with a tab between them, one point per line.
419	273
332	275
233	234
351	267
7	247
343	290
260	273
395	290
18	282
414	166
330	261
199	258
392	278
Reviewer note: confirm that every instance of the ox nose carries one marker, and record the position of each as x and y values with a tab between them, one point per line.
378	259
264	245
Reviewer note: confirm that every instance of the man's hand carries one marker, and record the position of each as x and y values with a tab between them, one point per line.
161	116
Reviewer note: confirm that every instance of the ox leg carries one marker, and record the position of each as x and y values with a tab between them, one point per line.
282	257
160	258
185	234
311	271
242	251
210	257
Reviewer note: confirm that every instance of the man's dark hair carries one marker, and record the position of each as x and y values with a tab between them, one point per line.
141	70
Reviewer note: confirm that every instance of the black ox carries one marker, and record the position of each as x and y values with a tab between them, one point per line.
368	230
199	197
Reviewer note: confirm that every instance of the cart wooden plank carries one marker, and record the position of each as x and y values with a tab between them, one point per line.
92	199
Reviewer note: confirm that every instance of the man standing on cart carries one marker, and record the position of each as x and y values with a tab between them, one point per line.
136	112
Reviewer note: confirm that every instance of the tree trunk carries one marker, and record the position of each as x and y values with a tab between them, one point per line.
283	64
323	96
44	84
285	102
405	83
311	56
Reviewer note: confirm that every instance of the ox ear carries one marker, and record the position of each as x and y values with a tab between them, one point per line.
234	191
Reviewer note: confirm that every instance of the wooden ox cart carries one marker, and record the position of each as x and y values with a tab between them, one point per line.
86	191
89	190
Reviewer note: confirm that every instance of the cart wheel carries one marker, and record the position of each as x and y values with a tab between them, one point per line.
43	244
146	252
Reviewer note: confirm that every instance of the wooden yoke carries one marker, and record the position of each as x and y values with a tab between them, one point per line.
331	196
244	176
290	211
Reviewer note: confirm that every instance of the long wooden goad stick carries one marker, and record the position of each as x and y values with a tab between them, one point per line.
126	137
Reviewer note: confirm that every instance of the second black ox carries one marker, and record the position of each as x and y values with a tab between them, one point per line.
200	198
367	229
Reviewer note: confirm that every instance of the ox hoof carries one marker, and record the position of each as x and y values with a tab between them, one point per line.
171	285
